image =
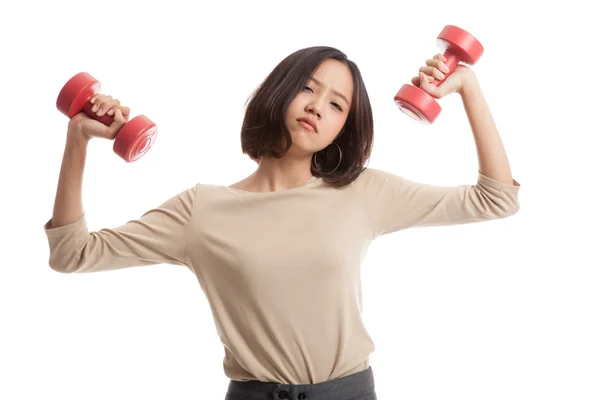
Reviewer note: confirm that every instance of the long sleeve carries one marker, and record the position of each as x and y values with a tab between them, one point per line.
158	236
393	203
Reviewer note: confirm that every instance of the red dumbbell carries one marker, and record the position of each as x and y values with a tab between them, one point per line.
135	137
457	45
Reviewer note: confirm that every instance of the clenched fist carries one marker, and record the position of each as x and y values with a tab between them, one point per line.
88	128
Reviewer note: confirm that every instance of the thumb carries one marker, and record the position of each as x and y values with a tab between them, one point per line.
424	82
426	85
118	122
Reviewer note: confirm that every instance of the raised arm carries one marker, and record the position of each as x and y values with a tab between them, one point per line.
393	202
68	204
493	161
158	236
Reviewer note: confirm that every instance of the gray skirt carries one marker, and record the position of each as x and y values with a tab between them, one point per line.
359	386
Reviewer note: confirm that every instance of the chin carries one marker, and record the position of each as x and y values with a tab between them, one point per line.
298	148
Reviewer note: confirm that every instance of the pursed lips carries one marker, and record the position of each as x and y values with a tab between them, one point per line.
309	122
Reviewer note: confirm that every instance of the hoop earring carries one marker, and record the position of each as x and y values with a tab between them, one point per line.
314	158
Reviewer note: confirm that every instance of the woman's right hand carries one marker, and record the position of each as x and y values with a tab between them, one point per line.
84	127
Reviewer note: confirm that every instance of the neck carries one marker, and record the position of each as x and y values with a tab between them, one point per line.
284	173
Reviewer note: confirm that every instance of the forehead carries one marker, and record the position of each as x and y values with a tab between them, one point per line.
335	75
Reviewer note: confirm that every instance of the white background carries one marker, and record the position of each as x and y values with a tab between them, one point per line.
507	309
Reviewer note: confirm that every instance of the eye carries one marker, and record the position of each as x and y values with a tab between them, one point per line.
307	87
336	105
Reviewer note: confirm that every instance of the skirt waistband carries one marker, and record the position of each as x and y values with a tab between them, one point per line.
347	387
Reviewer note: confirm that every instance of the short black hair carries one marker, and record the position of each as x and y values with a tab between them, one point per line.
264	132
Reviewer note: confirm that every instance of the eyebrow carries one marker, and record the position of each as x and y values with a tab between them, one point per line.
334	91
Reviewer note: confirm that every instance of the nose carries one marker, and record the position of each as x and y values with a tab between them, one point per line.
314	108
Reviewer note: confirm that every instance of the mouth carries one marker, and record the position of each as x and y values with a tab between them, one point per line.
308	124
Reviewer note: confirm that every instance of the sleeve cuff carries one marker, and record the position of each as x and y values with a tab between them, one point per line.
486	180
78	227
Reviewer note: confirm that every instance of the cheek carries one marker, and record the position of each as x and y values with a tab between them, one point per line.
334	127
298	103
339	122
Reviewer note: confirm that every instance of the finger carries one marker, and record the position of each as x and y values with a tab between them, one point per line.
423	81
416	80
96	96
100	106
98	99
116	125
432	71
111	110
440	56
93	100
427	86
125	111
439	64
119	115
105	105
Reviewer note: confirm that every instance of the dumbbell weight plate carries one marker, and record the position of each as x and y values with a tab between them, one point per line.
75	93
417	104
460	42
135	138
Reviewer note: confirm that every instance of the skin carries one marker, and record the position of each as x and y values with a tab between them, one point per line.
293	169
319	102
491	155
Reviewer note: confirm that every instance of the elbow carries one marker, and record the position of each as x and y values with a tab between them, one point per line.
69	256
515	209
513	206
65	264
61	268
506	210
496	206
496	199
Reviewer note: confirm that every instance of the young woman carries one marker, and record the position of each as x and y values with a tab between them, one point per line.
278	254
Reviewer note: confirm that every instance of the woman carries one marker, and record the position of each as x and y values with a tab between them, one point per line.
278	253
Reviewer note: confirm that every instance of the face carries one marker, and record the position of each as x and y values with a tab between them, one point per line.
325	100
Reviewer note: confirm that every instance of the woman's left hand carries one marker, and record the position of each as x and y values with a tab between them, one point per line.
435	68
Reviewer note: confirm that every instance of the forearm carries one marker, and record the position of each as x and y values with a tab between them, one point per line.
68	204
493	161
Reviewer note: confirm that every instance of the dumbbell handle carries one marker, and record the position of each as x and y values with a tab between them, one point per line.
451	62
